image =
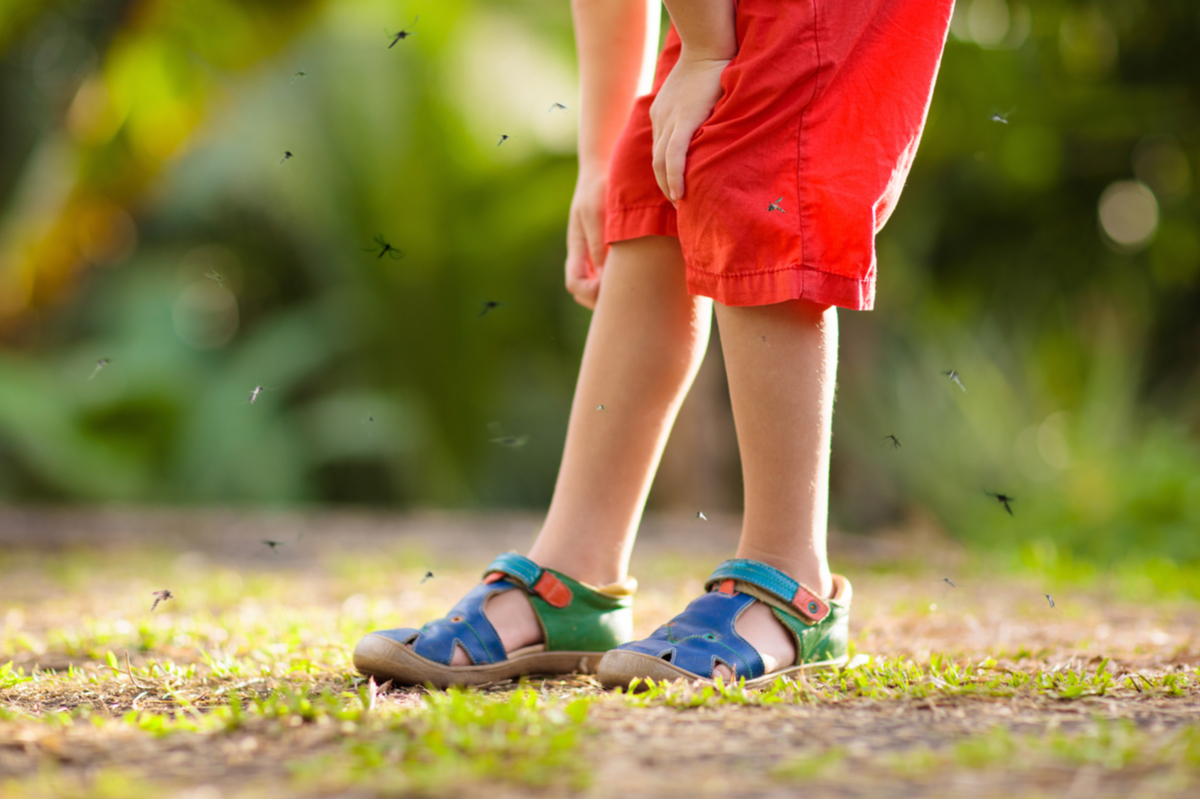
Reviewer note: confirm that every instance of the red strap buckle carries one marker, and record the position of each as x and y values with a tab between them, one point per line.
809	605
552	590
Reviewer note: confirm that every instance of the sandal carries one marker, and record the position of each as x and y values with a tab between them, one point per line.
691	645
579	623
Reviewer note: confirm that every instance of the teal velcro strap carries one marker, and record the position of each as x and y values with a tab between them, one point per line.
766	577
761	575
518	566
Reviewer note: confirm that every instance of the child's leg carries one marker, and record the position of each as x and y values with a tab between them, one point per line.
644	346
781	361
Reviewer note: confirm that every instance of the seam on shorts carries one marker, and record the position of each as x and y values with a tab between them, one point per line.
790	268
800	133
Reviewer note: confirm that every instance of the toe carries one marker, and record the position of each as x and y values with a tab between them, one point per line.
461	659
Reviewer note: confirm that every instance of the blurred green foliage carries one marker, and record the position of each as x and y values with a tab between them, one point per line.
1074	328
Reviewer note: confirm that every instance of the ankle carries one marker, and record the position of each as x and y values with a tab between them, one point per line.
811	571
581	567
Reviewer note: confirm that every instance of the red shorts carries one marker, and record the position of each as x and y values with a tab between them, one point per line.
804	155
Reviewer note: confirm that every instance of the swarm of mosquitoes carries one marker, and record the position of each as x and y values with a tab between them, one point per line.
383	248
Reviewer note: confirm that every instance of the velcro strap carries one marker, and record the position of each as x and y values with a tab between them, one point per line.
515	565
771	580
542	582
552	590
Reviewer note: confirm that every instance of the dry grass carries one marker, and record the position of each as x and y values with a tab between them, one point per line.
242	684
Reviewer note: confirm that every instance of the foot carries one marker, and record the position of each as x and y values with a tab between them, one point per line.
512	616
766	634
730	633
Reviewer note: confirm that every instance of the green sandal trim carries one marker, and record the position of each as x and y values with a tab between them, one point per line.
822	641
573	615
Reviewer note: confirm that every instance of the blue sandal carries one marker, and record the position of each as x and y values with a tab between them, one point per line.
703	636
579	623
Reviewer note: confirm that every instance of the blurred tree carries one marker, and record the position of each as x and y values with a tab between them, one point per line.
1047	249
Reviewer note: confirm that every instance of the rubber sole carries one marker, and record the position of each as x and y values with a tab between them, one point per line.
387	659
619	668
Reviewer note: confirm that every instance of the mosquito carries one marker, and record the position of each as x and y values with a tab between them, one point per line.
385	249
1051	600
764	341
402	35
511	441
1001	118
1004	499
559	106
160	596
286	155
255	392
776	206
953	376
602	408
213	275
274	545
953	585
892	438
700	515
101	364
428	575
489	306
301	74
504	137
368	419
508	441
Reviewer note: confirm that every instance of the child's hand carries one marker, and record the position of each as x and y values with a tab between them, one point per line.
684	102
585	238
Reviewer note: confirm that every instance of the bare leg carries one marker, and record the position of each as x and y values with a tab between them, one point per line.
782	361
645	344
643	351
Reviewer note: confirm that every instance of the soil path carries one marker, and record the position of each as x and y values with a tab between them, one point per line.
1010	717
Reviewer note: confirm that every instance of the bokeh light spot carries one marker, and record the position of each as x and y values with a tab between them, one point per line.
987	22
205	315
1128	215
1052	441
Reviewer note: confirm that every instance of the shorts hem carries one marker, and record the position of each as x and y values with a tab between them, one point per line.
780	285
632	222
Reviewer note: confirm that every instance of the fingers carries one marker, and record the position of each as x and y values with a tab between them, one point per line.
670	159
584	288
659	160
582	279
675	157
593	231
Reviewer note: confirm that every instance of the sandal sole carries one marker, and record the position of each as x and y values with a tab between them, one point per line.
619	668
387	659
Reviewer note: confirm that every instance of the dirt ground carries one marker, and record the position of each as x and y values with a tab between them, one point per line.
1005	695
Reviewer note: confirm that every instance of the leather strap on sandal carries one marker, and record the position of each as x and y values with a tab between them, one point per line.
796	595
542	582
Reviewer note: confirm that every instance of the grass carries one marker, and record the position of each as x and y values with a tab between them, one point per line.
243	685
940	678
